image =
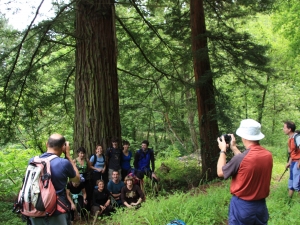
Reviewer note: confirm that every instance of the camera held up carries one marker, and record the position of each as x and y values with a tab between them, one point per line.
227	138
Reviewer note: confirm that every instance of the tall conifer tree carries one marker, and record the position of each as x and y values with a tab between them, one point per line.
97	117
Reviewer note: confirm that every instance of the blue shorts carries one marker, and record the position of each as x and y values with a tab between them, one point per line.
294	180
243	212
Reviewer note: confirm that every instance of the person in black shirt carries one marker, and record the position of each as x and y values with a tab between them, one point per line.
101	200
113	158
131	194
76	195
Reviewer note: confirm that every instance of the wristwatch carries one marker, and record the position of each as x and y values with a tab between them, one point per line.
223	152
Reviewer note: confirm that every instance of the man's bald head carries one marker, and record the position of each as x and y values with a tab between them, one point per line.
56	141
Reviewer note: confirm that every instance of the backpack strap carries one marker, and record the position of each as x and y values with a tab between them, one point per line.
48	159
95	159
51	157
295	140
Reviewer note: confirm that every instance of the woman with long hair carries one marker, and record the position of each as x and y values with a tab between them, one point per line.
83	165
125	161
98	165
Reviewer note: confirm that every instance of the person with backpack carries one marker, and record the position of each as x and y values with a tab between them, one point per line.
113	158
98	166
142	160
61	169
126	158
289	128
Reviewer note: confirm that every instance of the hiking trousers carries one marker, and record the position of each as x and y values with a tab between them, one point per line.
61	219
243	212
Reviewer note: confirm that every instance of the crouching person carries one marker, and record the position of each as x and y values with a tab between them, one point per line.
77	197
115	186
131	194
101	200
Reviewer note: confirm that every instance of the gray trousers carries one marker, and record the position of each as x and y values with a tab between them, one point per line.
61	219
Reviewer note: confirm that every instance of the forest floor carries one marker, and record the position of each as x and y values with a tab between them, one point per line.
194	191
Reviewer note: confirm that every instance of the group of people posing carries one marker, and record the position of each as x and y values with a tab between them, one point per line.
107	179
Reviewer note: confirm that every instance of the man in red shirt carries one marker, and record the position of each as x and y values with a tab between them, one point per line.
251	172
294	152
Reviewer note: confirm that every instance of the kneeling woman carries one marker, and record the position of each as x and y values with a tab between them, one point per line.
76	195
101	200
131	194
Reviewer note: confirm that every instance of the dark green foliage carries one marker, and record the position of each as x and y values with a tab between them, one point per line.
156	84
182	173
7	216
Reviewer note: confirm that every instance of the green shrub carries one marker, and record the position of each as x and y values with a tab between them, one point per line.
13	163
182	175
7	216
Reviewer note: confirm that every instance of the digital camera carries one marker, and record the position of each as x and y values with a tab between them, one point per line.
227	138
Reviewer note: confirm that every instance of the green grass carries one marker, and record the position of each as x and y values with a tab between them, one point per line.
210	205
195	205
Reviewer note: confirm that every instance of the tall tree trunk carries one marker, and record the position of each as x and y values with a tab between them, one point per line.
97	117
208	125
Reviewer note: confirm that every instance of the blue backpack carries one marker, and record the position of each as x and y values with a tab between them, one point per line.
176	222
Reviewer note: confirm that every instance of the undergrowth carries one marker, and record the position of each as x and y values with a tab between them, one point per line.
181	197
192	207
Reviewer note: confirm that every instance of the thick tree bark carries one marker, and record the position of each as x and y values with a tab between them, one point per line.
97	117
208	125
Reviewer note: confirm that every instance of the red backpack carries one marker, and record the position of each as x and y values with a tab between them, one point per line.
37	197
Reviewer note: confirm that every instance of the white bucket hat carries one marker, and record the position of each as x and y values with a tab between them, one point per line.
250	130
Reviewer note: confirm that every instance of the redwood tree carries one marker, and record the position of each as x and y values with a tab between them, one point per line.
205	92
97	117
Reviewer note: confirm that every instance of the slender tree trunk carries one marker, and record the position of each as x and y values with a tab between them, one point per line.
260	107
97	117
191	120
208	125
